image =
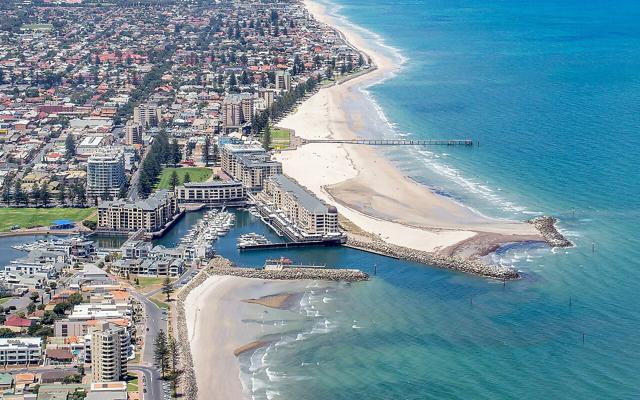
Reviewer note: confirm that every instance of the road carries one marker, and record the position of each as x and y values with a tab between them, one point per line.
133	184
155	319
152	382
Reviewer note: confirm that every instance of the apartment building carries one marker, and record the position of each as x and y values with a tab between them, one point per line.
298	212
283	81
150	214
133	133
215	193
147	115
20	351
105	173
237	110
109	352
249	164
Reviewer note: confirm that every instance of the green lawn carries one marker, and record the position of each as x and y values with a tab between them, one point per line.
159	303
146	281
5	299
279	138
196	175
132	382
32	217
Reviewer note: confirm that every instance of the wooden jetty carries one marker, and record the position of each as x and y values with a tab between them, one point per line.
395	142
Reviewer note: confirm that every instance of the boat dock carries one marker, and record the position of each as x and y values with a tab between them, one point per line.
285	245
395	142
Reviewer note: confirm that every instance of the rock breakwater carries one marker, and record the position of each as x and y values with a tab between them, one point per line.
342	275
471	265
547	227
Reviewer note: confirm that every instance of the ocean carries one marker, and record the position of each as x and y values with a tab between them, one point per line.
551	91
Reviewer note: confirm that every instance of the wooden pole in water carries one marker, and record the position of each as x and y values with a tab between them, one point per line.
593	247
375	269
582	337
569	301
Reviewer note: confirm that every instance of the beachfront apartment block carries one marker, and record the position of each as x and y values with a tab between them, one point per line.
105	173
249	163
237	111
20	351
298	212
150	215
109	352
214	193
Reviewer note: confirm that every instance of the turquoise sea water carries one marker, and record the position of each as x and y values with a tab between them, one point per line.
551	89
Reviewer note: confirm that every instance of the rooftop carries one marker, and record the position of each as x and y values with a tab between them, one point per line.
305	198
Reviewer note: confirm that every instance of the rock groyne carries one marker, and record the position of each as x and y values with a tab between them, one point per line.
324	274
547	227
471	265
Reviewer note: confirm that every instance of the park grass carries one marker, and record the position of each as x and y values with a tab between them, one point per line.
196	174
33	217
5	299
279	138
132	382
159	303
146	281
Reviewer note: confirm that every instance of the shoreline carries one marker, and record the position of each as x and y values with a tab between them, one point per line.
226	313
367	188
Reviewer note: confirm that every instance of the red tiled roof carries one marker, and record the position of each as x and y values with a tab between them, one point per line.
14	320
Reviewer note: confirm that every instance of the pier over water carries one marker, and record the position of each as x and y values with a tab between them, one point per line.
395	142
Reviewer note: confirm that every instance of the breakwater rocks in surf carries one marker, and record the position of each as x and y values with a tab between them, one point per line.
547	227
324	274
468	265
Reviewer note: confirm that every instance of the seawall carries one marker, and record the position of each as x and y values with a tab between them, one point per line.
468	265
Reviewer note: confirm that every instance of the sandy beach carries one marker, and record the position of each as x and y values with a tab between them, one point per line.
227	316
366	187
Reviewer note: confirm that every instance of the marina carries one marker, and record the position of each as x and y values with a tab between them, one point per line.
197	243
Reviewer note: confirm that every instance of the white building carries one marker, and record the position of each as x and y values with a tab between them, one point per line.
105	173
20	351
213	193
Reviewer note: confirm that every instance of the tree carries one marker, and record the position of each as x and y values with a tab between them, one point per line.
167	288
187	178
70	147
232	80
7	333
45	195
62	193
176	157
206	150
266	137
35	193
34	296
6	190
31	308
161	352
174	180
